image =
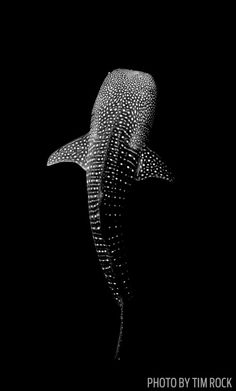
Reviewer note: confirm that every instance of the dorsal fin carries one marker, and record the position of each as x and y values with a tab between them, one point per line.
75	152
151	166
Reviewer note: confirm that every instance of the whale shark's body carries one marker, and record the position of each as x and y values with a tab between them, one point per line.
114	155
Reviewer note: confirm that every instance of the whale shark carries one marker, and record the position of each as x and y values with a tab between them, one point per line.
115	153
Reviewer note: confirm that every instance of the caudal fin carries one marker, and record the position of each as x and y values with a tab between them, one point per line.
119	342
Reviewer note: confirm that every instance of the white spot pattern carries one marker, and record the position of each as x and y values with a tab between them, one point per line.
114	154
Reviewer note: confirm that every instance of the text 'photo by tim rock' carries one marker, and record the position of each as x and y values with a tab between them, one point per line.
131	272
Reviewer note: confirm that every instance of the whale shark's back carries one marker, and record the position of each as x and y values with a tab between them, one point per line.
115	144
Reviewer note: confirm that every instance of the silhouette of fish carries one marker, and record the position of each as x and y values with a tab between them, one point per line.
114	154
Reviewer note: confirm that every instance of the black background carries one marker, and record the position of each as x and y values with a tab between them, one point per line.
179	322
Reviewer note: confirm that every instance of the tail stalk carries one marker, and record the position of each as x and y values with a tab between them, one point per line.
117	355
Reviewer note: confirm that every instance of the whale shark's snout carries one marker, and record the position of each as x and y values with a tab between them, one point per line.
133	93
143	79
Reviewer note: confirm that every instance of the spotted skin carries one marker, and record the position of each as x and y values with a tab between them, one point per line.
75	152
114	155
151	166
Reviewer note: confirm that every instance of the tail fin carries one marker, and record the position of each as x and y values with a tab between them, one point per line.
75	152
119	342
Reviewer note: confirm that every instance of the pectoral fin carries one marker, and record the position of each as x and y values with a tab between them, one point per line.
75	152
151	166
